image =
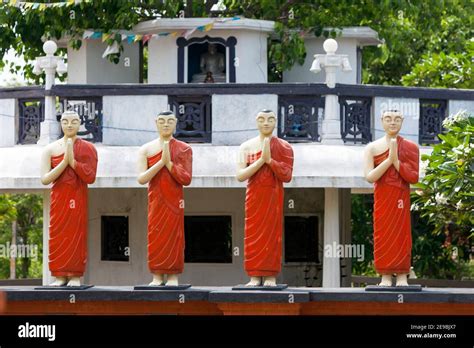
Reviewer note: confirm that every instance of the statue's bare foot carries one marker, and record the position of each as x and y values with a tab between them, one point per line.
74	281
172	280
269	281
60	281
386	280
402	280
158	280
254	281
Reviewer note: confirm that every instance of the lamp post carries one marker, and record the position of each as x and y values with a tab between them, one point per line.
49	64
331	62
331	130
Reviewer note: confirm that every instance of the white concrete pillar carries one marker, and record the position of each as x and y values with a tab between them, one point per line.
331	263
47	278
7	122
50	129
331	63
331	127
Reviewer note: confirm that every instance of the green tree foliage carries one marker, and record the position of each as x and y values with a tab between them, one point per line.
442	218
362	233
431	257
445	195
27	210
426	42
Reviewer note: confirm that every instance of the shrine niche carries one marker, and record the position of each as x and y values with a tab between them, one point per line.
206	60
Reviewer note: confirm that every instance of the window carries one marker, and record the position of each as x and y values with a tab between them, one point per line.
114	238
301	239
208	239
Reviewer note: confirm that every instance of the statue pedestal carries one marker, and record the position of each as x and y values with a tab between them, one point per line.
409	288
278	287
200	78
64	287
162	287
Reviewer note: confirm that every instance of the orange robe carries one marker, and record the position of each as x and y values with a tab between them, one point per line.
166	210
392	226
264	210
68	214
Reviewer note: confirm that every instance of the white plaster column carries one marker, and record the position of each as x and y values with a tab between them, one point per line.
7	122
49	64
331	263
331	127
330	62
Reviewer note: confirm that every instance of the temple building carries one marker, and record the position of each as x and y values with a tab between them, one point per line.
216	81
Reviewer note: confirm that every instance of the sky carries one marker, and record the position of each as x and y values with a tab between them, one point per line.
7	78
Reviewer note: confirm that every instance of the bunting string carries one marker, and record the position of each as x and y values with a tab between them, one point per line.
128	36
131	38
41	6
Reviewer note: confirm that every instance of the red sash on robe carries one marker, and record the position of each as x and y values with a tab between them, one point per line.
166	210
264	210
68	214
392	225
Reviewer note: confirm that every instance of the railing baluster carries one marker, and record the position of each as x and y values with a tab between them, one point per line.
355	119
298	118
432	114
194	117
31	114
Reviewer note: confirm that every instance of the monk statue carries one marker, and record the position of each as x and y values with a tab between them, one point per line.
391	163
266	162
212	64
166	165
70	163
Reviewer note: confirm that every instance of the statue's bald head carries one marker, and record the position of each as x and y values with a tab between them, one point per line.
266	113
392	121
392	113
70	123
212	48
166	123
165	114
266	121
70	114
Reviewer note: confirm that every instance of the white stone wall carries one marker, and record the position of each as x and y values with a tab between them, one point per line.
130	120
77	64
133	202
301	73
315	165
233	116
251	55
251	51
8	127
163	60
410	108
86	65
455	106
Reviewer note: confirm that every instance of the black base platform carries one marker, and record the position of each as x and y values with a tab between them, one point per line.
393	288
278	287
162	287
64	287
